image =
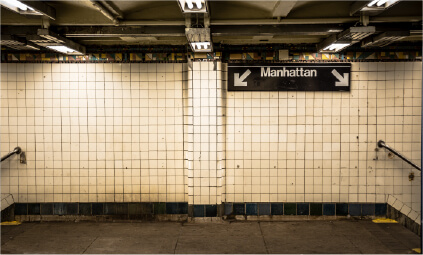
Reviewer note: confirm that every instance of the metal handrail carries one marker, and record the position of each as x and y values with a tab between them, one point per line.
381	144
17	150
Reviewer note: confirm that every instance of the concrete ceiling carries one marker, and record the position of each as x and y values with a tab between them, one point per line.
231	22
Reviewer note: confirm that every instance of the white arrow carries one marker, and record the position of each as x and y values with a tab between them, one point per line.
343	81
239	81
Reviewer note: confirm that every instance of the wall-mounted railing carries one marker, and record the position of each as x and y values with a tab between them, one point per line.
382	144
17	150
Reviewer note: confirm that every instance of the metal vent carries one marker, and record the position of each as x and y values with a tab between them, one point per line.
385	38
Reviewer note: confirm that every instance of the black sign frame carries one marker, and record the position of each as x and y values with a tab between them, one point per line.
289	76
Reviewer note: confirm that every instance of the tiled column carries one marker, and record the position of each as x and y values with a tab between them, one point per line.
204	147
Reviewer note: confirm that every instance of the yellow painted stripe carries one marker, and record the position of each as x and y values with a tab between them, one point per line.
417	250
385	220
10	223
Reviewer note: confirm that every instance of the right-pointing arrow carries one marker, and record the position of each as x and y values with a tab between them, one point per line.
239	81
343	80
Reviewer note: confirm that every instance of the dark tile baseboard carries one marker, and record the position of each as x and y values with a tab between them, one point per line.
394	214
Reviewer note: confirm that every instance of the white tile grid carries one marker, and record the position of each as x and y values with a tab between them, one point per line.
93	132
326	140
204	133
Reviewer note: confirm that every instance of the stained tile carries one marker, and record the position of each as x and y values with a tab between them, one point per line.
329	209
316	209
239	209
303	209
47	209
367	209
290	209
121	208
199	211
211	210
97	208
85	209
147	208
21	209
264	209
277	209
159	208
59	209
134	208
380	209
34	209
355	209
341	209
251	209
109	208
228	208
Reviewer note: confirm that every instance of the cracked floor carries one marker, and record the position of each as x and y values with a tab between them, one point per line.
325	237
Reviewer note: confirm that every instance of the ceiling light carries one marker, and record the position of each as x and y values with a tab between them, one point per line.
15	4
336	46
385	38
64	49
16	43
199	39
336	43
53	41
193	6
371	8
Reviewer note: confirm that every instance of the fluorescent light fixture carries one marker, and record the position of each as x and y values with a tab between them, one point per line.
64	49
193	6
199	39
336	47
15	4
378	5
385	38
53	41
201	46
15	43
350	36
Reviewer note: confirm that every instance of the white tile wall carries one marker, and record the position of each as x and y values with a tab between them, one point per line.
93	132
320	146
204	132
166	132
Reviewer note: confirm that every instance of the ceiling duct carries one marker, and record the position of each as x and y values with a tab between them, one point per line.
385	38
199	39
13	42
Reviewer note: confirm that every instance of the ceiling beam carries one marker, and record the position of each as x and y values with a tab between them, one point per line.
282	8
107	31
251	30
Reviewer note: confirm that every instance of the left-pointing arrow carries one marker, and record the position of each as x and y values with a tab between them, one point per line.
239	81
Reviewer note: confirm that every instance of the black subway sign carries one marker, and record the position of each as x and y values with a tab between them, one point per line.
289	77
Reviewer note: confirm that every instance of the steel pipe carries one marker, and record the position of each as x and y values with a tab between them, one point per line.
17	150
382	144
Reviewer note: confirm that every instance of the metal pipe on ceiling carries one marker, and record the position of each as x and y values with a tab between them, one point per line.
104	11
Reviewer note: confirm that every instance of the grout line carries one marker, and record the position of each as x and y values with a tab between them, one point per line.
90	245
264	240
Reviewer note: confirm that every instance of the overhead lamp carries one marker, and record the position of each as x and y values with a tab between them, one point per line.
348	37
199	39
15	5
53	41
371	8
385	38
13	42
193	6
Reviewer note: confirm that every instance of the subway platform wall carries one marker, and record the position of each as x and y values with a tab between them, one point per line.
172	133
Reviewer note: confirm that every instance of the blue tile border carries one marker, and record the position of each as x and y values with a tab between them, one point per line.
249	209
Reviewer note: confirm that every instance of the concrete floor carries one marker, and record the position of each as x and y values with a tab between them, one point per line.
343	236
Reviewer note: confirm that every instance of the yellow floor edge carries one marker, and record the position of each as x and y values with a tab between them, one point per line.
10	223
384	220
417	250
